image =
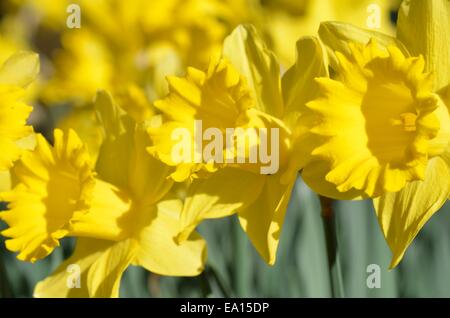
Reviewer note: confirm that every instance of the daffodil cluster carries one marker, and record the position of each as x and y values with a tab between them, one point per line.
358	113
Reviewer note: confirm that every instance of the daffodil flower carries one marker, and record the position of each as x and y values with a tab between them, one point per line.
381	128
16	73
123	213
243	89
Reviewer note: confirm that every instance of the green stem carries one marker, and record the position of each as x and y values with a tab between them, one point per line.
224	289
205	286
329	224
208	275
242	267
5	290
4	286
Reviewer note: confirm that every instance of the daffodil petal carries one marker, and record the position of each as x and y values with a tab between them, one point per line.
110	115
299	88
97	264
63	281
403	214
424	27
106	214
298	83
444	93
159	253
248	53
10	153
314	176
13	118
5	181
123	159
115	152
337	35
220	195
148	190
133	100
84	121
263	219
105	273
20	69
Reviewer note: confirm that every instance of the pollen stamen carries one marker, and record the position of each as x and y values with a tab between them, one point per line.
407	121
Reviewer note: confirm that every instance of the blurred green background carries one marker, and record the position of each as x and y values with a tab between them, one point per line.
235	270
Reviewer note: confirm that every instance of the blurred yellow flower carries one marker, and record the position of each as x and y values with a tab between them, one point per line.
139	41
83	66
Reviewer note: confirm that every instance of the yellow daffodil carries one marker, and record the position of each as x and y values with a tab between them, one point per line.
16	73
123	213
243	89
53	184
381	128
